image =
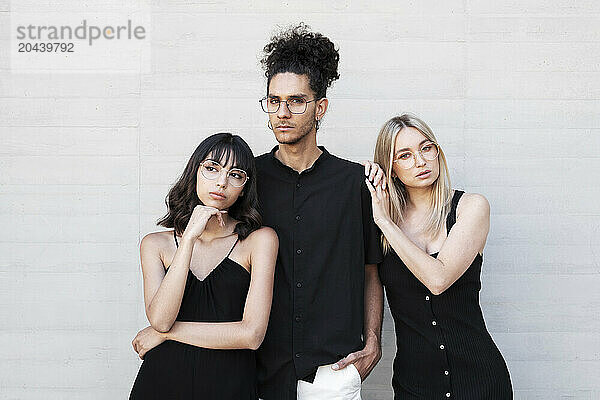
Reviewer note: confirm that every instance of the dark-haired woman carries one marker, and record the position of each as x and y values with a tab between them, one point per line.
433	238
208	283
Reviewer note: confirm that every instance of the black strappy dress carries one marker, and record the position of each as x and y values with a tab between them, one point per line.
444	348
178	371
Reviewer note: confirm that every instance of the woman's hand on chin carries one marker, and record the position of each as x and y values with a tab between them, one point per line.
199	219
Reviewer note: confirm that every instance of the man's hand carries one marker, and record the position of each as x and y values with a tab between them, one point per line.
364	360
146	340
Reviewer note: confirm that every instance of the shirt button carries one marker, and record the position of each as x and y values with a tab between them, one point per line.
298	185
298	318
299	251
442	346
427	298
448	394
297	355
433	323
297	218
446	372
298	285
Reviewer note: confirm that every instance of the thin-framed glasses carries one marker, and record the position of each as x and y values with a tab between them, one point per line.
407	159
211	169
296	105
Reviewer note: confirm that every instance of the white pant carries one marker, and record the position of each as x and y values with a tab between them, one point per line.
329	384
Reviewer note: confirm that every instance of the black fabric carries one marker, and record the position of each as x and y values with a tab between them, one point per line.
174	370
326	236
475	368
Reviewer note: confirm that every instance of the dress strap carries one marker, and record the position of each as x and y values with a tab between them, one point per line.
230	250
451	220
175	236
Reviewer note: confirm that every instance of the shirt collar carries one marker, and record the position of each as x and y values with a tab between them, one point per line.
324	155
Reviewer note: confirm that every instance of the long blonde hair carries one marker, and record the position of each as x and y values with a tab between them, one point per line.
442	190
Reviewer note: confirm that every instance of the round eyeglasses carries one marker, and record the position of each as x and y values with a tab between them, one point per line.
212	170
296	105
408	159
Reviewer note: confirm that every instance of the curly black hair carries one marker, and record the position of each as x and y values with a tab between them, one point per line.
300	51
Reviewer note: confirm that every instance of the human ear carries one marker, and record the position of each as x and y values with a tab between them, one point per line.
321	108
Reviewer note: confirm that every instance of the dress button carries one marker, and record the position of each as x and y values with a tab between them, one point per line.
297	218
298	284
299	251
433	323
427	298
448	394
446	372
298	318
442	346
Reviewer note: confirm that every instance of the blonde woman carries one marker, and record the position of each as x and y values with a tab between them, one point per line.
433	239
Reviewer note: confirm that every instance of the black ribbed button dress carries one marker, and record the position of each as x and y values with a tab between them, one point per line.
444	348
178	371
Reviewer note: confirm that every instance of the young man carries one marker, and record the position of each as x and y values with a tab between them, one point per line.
324	331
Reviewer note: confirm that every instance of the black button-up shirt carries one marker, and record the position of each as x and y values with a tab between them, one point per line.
326	235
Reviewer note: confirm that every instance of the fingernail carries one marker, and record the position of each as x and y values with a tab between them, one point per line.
335	366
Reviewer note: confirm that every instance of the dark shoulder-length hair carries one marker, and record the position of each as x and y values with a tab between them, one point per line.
182	197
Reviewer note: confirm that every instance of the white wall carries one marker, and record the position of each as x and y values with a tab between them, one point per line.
512	89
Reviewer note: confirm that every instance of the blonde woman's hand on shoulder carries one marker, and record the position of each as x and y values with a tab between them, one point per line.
374	173
380	201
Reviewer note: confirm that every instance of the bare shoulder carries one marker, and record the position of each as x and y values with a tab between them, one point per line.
264	237
262	244
157	244
473	204
157	239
